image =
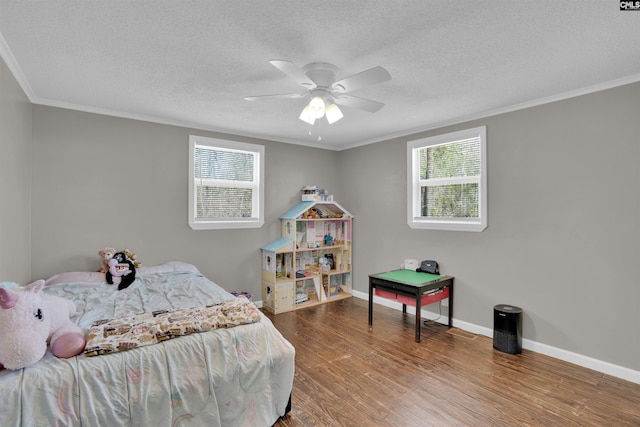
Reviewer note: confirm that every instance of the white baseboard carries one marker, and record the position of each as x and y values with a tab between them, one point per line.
558	353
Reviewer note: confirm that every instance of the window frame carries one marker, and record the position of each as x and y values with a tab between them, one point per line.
414	219
256	221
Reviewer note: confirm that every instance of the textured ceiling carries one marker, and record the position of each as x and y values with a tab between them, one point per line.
191	63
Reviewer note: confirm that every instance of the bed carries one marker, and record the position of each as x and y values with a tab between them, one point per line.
232	376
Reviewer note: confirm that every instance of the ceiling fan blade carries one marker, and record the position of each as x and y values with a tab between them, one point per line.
290	69
369	77
283	95
359	103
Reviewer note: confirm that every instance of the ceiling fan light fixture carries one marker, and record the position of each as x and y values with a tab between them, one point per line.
333	113
306	116
319	80
316	107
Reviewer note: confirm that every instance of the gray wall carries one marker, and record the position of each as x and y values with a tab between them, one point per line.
15	179
105	181
563	240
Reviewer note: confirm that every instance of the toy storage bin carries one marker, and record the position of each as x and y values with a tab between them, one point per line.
427	299
385	294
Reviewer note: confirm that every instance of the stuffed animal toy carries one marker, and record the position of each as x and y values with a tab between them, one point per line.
29	320
105	254
118	270
132	257
121	266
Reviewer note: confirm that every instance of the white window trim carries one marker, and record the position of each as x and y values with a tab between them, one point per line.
257	220
414	220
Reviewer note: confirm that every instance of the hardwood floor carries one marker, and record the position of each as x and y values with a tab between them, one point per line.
347	375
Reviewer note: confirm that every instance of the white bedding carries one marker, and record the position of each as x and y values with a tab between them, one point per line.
241	376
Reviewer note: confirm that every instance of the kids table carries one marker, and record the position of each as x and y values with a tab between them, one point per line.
411	287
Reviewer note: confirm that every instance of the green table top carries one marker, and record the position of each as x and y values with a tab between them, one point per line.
409	276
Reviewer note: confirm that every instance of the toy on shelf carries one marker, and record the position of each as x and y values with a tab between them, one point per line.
311	193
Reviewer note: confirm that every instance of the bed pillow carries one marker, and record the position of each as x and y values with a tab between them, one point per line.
95	277
168	267
76	277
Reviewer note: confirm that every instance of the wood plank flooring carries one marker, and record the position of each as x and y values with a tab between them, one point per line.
347	375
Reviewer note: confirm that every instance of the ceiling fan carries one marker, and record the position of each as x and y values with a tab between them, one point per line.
319	79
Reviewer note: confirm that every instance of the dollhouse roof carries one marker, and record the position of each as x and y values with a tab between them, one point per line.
300	208
277	244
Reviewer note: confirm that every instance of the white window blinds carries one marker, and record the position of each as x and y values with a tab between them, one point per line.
449	179
226	184
446	184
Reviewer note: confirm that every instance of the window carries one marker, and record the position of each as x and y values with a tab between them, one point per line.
447	181
226	184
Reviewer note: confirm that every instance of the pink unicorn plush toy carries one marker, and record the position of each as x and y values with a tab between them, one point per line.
29	320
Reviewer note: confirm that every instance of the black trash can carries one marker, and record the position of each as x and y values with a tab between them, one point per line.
507	328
